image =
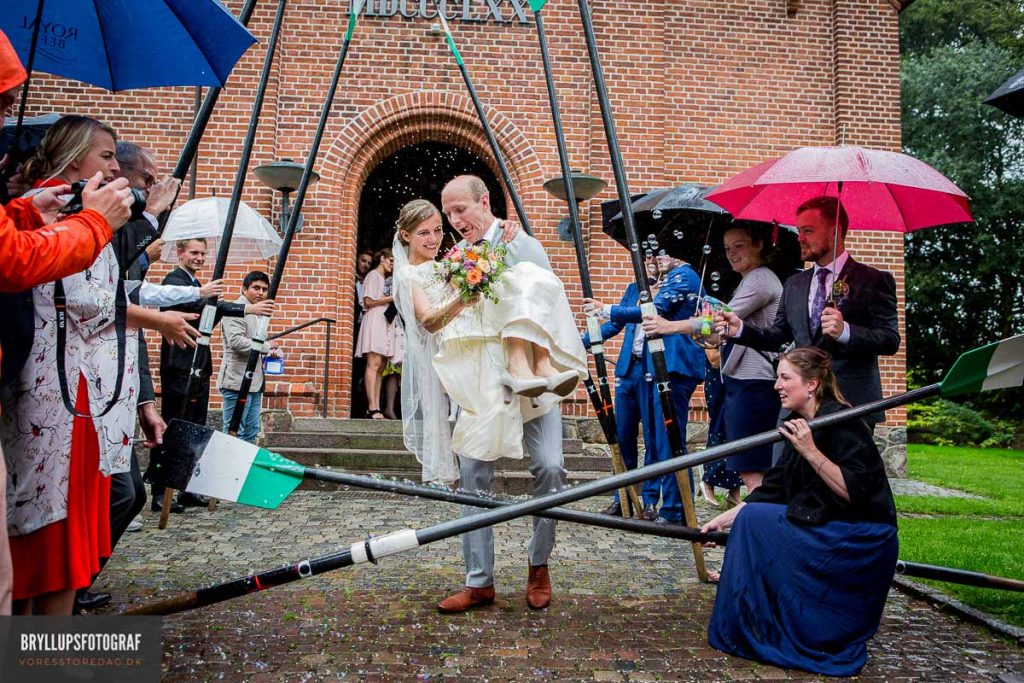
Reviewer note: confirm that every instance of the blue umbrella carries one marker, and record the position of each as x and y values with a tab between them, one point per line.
126	44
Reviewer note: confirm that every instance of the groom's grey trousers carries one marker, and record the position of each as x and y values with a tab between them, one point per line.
543	439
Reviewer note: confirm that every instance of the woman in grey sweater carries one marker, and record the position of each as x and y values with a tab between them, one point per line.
751	403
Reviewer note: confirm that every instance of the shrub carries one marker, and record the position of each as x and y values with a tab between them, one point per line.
945	423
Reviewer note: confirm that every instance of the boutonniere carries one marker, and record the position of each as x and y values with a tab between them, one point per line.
840	291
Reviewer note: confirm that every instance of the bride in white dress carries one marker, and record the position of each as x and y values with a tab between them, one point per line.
460	349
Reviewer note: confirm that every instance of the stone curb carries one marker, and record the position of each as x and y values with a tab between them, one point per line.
944	602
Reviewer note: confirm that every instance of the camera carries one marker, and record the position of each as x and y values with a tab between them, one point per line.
75	204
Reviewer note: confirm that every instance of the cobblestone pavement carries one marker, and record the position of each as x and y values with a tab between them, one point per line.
626	607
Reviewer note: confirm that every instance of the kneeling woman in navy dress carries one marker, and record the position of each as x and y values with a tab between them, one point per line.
813	550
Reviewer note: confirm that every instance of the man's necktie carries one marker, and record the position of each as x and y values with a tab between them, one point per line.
818	305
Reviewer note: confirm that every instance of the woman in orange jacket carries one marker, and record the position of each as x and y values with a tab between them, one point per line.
30	256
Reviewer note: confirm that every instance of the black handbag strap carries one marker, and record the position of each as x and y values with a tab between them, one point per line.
120	325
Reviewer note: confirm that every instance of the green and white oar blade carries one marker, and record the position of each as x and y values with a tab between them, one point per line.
537	5
235	470
448	37
995	366
355	10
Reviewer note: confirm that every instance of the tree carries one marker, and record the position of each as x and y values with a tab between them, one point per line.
965	283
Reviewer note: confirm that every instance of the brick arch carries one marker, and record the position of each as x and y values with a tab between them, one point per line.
383	129
411	118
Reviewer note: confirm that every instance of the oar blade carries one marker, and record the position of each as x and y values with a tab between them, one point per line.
211	463
996	366
354	11
537	5
448	38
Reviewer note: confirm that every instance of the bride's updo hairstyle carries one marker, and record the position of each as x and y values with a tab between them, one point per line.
411	215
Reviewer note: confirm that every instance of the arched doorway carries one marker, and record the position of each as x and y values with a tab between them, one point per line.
417	171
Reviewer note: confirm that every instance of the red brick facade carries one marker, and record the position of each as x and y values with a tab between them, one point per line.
701	89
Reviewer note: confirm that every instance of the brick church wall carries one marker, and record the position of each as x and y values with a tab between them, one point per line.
701	89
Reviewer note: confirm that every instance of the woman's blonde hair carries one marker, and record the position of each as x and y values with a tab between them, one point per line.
68	140
411	215
811	363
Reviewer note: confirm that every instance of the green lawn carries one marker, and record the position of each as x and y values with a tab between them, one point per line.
984	534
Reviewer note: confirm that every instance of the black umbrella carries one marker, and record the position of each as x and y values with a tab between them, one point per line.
682	223
33	130
1010	96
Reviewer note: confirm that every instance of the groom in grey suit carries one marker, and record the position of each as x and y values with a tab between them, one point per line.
466	202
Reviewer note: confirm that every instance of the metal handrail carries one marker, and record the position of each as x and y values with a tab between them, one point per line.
327	352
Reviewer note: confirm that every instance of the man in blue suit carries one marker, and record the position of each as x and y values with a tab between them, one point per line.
633	397
674	299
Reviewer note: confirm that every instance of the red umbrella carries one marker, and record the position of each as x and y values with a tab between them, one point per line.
879	190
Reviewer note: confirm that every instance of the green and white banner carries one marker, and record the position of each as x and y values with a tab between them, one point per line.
235	470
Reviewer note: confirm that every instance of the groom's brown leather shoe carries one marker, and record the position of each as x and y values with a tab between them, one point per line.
538	587
466	599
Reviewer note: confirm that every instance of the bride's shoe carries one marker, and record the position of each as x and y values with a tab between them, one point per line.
564	383
531	387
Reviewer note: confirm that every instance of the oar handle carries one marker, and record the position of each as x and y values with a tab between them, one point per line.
178	603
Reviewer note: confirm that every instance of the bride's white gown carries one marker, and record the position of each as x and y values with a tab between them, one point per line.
470	357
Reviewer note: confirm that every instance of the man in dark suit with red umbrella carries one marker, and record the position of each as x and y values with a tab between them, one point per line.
851	315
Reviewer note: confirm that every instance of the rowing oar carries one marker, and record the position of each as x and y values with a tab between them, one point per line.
491	140
674	429
209	316
211	463
188	152
601	394
996	366
236	470
258	343
962	576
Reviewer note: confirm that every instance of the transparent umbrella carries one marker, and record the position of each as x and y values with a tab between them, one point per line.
254	239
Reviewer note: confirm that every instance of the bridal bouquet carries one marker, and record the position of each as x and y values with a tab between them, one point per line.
474	269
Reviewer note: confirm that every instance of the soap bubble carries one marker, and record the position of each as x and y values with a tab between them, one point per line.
707	249
656	214
678	234
714	286
715	276
648	377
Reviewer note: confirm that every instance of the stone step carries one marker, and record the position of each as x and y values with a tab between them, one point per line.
337	425
505	483
276	441
365	460
386	441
